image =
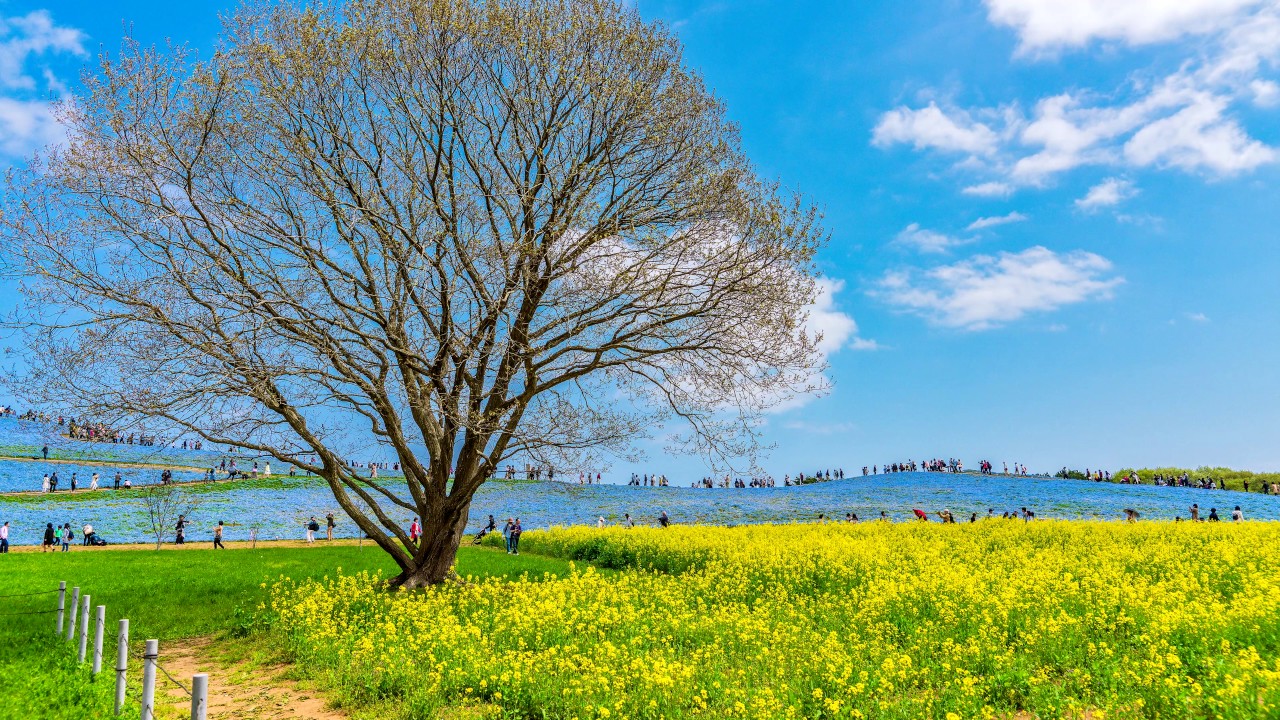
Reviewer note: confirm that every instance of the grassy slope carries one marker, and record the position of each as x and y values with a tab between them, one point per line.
165	595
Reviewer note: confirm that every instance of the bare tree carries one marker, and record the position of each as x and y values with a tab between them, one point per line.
165	504
468	232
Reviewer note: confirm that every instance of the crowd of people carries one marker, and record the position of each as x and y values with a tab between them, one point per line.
49	483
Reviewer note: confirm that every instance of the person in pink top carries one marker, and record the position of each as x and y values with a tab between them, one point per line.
415	530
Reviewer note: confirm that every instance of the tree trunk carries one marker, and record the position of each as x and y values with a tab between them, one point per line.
437	550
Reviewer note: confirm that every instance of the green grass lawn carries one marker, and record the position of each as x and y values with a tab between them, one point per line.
166	595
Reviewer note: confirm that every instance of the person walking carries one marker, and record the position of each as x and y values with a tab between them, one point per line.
515	537
73	482
181	538
4	537
44	484
506	535
67	537
93	482
217	537
312	527
49	536
328	526
45	450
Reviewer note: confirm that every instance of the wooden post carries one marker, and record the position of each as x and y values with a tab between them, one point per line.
62	604
149	679
98	627
122	663
75	602
199	696
84	627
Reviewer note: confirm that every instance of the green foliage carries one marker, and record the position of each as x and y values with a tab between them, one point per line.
1234	479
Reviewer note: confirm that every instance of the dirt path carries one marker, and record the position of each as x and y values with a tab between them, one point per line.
238	687
104	463
168	545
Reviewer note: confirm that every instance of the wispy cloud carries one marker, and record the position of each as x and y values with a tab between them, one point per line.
927	241
26	115
1107	193
986	291
989	222
1181	120
930	127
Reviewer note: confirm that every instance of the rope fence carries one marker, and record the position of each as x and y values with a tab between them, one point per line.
78	614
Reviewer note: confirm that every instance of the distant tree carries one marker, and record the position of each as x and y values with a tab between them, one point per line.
165	504
471	232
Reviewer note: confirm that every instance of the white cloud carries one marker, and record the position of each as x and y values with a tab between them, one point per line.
1053	24
32	34
986	291
1198	317
1265	93
1181	119
838	329
820	428
1198	136
930	127
27	124
927	241
986	222
989	189
1111	191
27	121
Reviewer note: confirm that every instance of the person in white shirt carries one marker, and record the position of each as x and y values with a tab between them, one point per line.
4	538
93	483
1237	515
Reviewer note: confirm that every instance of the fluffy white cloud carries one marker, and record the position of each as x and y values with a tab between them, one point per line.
1198	136
1265	93
1182	119
32	34
26	117
986	291
1052	24
27	124
927	241
1109	192
986	222
838	329
930	127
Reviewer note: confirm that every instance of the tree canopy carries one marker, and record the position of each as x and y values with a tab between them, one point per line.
465	232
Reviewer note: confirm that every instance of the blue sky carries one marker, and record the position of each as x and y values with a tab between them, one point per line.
1053	224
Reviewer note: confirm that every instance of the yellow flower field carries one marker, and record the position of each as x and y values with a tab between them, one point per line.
999	619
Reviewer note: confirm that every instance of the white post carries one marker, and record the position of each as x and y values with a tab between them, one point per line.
122	663
97	638
149	679
62	604
75	602
84	628
199	696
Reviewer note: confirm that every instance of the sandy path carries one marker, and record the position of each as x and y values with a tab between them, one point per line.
104	463
206	545
238	688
